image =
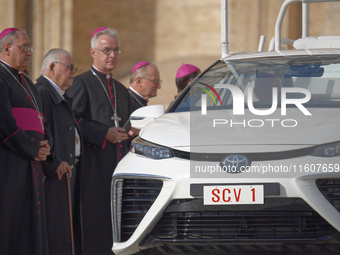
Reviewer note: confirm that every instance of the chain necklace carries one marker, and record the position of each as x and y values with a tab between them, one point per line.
115	117
29	93
135	97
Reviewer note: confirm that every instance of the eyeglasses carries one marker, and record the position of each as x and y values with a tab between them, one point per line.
69	66
24	48
108	51
157	82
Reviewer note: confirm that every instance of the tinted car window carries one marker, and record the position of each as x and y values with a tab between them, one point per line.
262	80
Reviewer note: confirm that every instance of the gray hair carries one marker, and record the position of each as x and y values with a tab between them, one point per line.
140	72
53	55
109	31
10	37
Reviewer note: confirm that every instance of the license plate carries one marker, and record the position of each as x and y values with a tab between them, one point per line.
230	194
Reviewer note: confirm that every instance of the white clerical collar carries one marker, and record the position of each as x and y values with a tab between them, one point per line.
137	93
20	72
56	87
3	61
108	76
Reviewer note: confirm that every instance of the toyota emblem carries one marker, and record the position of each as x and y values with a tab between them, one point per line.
235	163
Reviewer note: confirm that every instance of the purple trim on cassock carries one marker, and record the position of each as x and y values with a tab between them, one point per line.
28	119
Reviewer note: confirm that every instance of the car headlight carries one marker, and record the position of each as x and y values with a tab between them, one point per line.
329	150
150	150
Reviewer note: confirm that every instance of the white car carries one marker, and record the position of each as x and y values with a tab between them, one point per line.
247	158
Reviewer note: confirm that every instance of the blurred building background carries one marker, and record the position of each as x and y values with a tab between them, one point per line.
164	32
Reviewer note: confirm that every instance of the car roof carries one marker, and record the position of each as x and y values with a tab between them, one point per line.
283	53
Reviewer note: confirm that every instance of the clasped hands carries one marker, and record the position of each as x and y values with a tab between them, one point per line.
44	151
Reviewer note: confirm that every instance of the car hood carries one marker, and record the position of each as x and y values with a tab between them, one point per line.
190	131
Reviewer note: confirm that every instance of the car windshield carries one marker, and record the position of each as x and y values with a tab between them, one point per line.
263	82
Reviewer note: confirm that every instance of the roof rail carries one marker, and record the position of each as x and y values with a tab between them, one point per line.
304	18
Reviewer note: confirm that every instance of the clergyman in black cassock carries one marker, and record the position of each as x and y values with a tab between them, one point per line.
136	100
144	83
101	104
57	75
22	148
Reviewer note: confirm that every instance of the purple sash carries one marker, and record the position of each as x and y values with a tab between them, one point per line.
28	119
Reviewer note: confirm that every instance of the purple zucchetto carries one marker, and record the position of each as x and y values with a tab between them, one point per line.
185	69
139	65
97	31
7	31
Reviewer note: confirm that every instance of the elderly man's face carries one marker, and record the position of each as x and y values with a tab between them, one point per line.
150	83
63	75
18	57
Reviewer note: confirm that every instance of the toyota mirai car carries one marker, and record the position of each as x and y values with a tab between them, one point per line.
247	158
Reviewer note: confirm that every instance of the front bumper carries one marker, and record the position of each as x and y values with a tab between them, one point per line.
163	213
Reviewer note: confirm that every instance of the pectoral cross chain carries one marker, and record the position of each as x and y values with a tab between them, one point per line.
41	121
116	119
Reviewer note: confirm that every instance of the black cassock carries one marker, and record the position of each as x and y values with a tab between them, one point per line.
22	213
61	123
136	101
94	97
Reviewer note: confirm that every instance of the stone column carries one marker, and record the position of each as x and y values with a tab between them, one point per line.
52	28
7	14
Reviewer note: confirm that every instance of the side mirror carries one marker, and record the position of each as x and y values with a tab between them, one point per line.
145	115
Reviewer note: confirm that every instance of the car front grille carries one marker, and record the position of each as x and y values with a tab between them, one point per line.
138	197
286	219
330	189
